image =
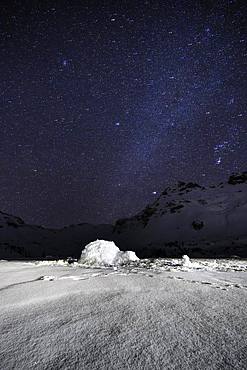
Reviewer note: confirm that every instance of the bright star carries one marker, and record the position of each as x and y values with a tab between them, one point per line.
218	161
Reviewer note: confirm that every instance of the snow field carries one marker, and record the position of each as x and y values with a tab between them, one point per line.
72	317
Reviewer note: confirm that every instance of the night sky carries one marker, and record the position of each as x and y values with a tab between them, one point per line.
105	103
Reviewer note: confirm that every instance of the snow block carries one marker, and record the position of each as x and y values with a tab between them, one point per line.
186	261
105	253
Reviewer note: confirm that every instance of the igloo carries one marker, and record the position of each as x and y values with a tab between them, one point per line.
105	253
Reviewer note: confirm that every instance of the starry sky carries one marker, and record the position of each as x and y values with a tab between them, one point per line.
105	103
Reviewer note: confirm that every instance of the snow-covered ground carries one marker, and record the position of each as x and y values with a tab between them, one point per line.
149	314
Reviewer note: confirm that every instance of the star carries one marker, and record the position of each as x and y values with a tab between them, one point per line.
218	161
106	99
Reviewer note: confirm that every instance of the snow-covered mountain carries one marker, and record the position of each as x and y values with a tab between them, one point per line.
185	219
20	240
189	218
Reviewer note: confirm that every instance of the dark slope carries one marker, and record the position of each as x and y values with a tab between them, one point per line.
186	218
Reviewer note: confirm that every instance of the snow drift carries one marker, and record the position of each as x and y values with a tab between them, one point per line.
105	253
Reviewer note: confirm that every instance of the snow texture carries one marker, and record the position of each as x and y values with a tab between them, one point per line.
72	317
105	253
162	264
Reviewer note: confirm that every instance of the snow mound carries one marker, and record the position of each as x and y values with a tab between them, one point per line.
186	261
105	253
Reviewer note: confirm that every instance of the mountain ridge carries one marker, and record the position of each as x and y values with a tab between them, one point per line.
185	218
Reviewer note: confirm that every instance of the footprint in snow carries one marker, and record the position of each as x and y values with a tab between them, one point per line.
224	286
47	278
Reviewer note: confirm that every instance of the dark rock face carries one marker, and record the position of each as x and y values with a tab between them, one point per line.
238	179
190	185
145	216
176	209
197	225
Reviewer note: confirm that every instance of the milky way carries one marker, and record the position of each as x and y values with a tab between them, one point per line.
102	106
